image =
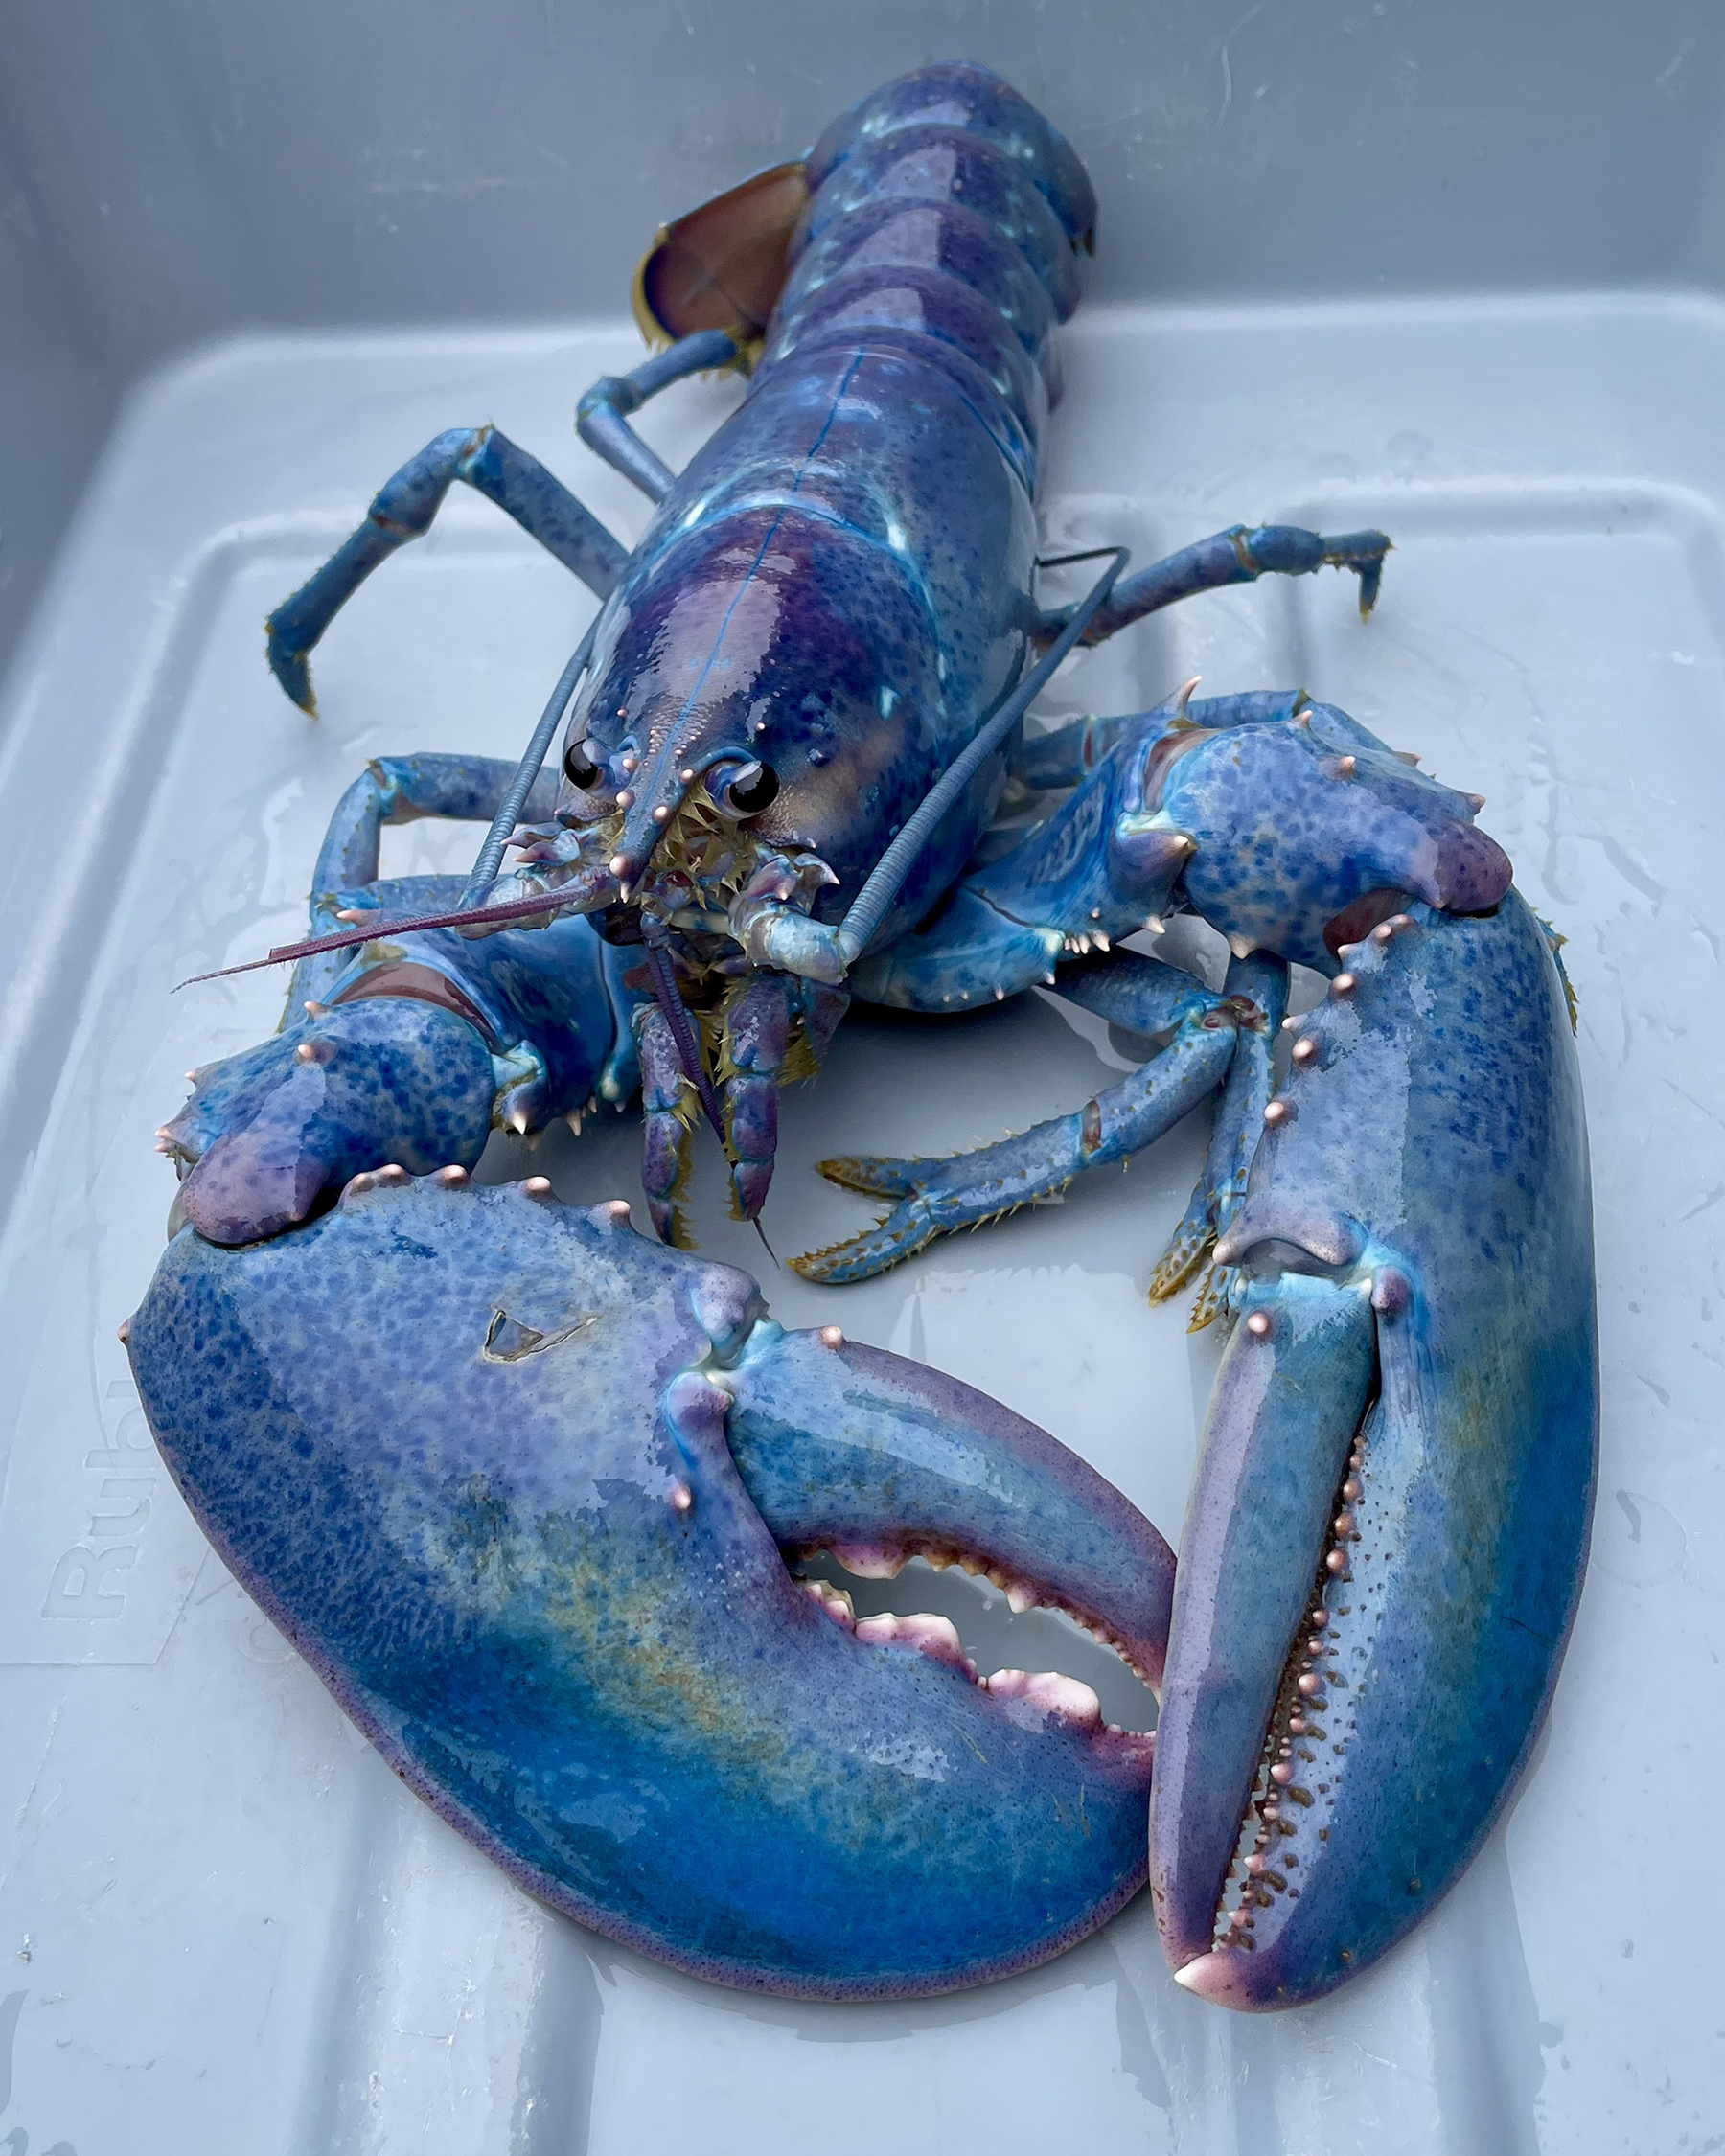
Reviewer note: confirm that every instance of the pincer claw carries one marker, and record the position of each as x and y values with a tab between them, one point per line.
1384	1548
537	1552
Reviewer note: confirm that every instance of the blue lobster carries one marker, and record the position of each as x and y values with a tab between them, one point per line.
518	1481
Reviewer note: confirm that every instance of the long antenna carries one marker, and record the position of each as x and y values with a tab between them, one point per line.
895	864
533	761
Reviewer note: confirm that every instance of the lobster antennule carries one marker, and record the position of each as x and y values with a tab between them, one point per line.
585	894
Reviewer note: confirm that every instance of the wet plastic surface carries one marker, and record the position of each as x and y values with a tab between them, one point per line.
221	1921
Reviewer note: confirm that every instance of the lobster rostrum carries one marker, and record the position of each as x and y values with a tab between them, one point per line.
792	724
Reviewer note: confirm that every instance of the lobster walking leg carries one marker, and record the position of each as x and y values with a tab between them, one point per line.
394	790
1258	989
601	418
1239	555
403	510
935	1197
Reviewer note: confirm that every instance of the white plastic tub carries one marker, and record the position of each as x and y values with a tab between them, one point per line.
222	1922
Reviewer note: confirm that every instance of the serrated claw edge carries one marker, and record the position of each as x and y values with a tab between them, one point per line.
1177	1265
876	1175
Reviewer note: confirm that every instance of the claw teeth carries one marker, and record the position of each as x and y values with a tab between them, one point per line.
935	1637
834	1600
869	1560
1049	1692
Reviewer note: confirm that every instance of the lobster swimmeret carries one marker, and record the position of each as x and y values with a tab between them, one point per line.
557	1601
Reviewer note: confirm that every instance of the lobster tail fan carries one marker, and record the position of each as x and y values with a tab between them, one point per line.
722	267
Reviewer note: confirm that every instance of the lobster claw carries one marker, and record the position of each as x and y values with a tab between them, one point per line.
1387	1531
518	1482
268	1131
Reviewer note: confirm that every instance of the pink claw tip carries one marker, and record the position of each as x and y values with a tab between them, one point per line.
626	799
681	1497
1259	1324
661	814
831	1336
538	1186
451	1175
1277	1111
124	1334
1344	984
1305	1051
618	1210
620	864
1212	1976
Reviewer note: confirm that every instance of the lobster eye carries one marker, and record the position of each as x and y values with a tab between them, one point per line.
580	768
754	788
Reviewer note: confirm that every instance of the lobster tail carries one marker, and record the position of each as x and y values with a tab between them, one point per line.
960	94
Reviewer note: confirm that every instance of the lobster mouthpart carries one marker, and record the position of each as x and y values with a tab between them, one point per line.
470	1449
1388	1528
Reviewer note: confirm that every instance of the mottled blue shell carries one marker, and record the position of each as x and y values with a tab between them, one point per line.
840	584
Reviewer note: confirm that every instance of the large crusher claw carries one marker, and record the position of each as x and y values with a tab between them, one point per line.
520	1486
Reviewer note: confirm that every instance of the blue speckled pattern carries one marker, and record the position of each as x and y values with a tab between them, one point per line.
1430	1162
468	1447
828	607
1278	821
553	1603
408	1048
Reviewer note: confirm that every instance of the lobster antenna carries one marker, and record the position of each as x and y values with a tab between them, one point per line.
527	770
888	878
485	867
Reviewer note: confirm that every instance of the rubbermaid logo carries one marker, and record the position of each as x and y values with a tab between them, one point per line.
88	1579
97	1552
